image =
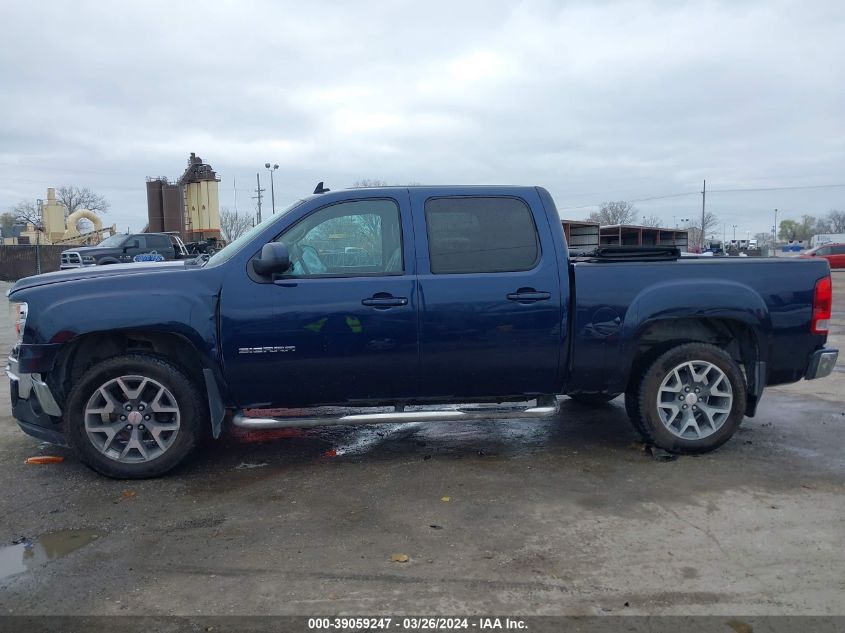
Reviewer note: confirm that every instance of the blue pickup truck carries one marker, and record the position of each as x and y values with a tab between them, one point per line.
396	304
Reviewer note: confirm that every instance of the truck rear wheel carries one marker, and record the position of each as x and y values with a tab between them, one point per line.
690	400
134	416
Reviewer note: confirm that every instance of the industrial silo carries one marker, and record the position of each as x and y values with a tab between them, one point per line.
173	208
155	212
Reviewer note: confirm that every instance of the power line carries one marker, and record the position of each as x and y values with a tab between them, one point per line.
777	188
670	195
695	193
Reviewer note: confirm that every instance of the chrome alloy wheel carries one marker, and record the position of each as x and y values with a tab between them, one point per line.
694	400
132	419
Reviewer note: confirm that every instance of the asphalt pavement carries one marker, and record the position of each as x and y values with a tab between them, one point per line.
571	515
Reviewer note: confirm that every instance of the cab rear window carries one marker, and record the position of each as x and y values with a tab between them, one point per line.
480	235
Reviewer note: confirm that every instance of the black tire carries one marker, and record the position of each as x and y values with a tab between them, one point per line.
642	399
632	406
189	398
593	399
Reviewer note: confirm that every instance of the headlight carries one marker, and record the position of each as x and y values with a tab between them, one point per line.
87	259
20	321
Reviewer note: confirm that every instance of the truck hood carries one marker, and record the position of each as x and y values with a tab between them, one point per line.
113	270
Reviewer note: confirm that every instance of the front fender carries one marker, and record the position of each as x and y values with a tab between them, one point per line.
690	299
179	303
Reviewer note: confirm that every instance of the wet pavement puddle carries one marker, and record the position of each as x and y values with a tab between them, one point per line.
32	553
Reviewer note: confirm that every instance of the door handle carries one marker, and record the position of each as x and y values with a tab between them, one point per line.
529	295
382	301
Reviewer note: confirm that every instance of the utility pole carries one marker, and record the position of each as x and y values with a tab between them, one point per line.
775	233
258	191
38	228
703	194
235	192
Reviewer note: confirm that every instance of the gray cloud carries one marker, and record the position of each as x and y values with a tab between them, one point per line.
593	100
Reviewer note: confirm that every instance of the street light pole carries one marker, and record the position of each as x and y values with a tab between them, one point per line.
272	188
734	226
703	194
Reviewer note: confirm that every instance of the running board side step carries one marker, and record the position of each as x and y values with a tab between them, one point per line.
543	408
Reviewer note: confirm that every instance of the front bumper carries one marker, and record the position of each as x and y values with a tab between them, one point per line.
74	266
33	404
822	363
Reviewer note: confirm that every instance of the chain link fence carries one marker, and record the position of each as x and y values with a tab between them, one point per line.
20	260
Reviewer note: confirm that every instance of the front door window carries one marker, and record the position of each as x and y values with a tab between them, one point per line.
358	238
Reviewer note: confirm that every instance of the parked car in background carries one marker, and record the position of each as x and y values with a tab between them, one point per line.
124	248
833	253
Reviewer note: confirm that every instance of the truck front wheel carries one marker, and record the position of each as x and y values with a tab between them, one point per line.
690	400
134	416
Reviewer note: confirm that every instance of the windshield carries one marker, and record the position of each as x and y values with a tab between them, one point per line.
114	240
235	246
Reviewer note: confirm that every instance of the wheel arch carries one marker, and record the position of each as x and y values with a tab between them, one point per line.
736	337
86	350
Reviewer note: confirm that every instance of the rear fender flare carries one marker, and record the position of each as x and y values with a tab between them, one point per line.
690	299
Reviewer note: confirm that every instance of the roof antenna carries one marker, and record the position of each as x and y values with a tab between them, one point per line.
320	188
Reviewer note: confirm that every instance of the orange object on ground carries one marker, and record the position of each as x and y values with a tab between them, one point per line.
44	459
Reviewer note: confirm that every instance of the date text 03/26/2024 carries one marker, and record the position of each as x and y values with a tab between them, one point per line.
417	623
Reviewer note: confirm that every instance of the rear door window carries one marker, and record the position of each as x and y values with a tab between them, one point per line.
481	235
160	242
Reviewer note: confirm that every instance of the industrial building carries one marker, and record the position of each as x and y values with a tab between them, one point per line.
189	206
584	235
55	228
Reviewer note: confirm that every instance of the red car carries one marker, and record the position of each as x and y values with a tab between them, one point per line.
833	253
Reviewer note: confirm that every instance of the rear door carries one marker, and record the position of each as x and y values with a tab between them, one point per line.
161	244
837	256
490	301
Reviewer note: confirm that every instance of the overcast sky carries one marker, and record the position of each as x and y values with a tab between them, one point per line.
593	100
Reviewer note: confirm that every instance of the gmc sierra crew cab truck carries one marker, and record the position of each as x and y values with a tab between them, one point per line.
396	304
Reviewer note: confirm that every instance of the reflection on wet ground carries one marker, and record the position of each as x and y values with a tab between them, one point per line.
26	554
569	431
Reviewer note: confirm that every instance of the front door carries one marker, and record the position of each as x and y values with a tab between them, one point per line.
490	300
340	327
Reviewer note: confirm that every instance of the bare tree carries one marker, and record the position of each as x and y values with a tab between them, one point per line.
763	239
618	212
26	212
233	224
652	221
74	198
368	182
821	225
696	235
837	221
7	221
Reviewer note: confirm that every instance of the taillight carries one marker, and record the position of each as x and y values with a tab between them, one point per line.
822	303
20	322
